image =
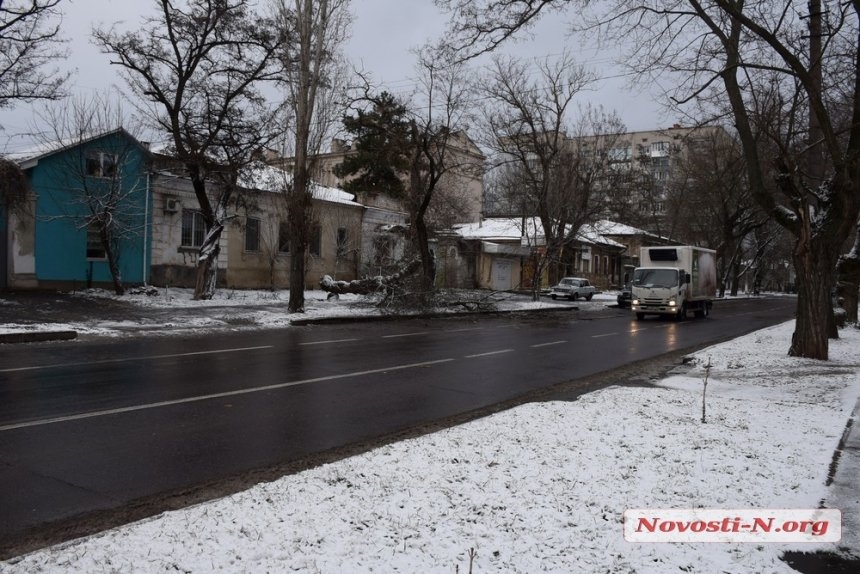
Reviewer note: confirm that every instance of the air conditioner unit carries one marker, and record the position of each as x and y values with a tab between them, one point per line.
171	205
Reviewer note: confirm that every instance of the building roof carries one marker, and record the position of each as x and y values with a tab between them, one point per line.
29	157
264	177
511	229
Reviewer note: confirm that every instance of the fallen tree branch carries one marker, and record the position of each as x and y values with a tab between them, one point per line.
368	285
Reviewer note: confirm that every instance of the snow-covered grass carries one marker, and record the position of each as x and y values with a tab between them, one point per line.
173	310
541	487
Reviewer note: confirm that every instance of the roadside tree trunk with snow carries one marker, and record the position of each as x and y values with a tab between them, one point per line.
195	67
848	278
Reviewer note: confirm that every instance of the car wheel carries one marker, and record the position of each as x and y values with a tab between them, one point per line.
553	297
589	296
575	296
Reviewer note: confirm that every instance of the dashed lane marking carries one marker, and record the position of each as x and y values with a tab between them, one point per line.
547	344
499	352
129	359
108	412
330	341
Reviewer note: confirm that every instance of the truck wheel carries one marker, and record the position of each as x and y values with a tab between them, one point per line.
640	316
702	313
682	314
589	296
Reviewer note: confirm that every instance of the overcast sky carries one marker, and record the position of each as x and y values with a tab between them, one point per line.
383	33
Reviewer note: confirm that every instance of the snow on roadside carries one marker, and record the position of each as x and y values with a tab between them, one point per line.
541	487
174	310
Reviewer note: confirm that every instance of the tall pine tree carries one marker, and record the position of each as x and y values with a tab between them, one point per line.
382	149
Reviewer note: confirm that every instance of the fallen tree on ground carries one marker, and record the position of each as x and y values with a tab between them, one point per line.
369	285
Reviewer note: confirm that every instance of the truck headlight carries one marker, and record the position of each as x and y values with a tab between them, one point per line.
672	303
635	301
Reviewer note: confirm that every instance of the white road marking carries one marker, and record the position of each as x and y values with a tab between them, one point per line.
464	330
128	359
199	398
404	335
547	344
327	342
603	335
490	353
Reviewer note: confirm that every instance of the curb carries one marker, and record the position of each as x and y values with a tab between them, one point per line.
395	317
37	336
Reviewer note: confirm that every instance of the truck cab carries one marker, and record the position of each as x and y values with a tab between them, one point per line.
674	280
658	290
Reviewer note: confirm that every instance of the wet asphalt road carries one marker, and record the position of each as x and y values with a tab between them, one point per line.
88	427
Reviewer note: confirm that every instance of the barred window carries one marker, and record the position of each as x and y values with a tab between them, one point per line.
193	228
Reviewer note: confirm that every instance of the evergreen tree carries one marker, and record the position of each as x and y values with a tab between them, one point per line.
382	149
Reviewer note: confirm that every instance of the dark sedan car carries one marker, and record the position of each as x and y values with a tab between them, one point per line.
625	296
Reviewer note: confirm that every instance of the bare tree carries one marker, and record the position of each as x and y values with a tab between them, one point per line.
558	166
101	180
29	43
312	75
786	69
197	66
436	151
711	204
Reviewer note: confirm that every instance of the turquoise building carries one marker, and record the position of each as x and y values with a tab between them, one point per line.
76	190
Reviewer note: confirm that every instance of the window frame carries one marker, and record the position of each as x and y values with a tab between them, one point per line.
315	242
96	166
197	229
94	244
253	225
342	242
283	238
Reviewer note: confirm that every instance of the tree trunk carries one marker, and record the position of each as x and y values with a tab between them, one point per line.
814	263
207	264
428	261
113	264
848	279
736	277
299	229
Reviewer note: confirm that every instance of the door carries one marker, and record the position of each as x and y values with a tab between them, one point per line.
500	279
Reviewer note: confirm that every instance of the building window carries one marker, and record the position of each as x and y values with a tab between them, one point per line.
101	164
620	153
283	237
252	234
315	245
342	242
193	228
659	149
95	248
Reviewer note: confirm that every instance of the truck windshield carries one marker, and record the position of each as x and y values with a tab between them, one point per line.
655	278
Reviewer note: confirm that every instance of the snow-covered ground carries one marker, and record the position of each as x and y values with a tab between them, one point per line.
541	487
174	310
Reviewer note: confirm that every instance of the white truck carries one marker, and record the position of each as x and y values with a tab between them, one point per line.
673	280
